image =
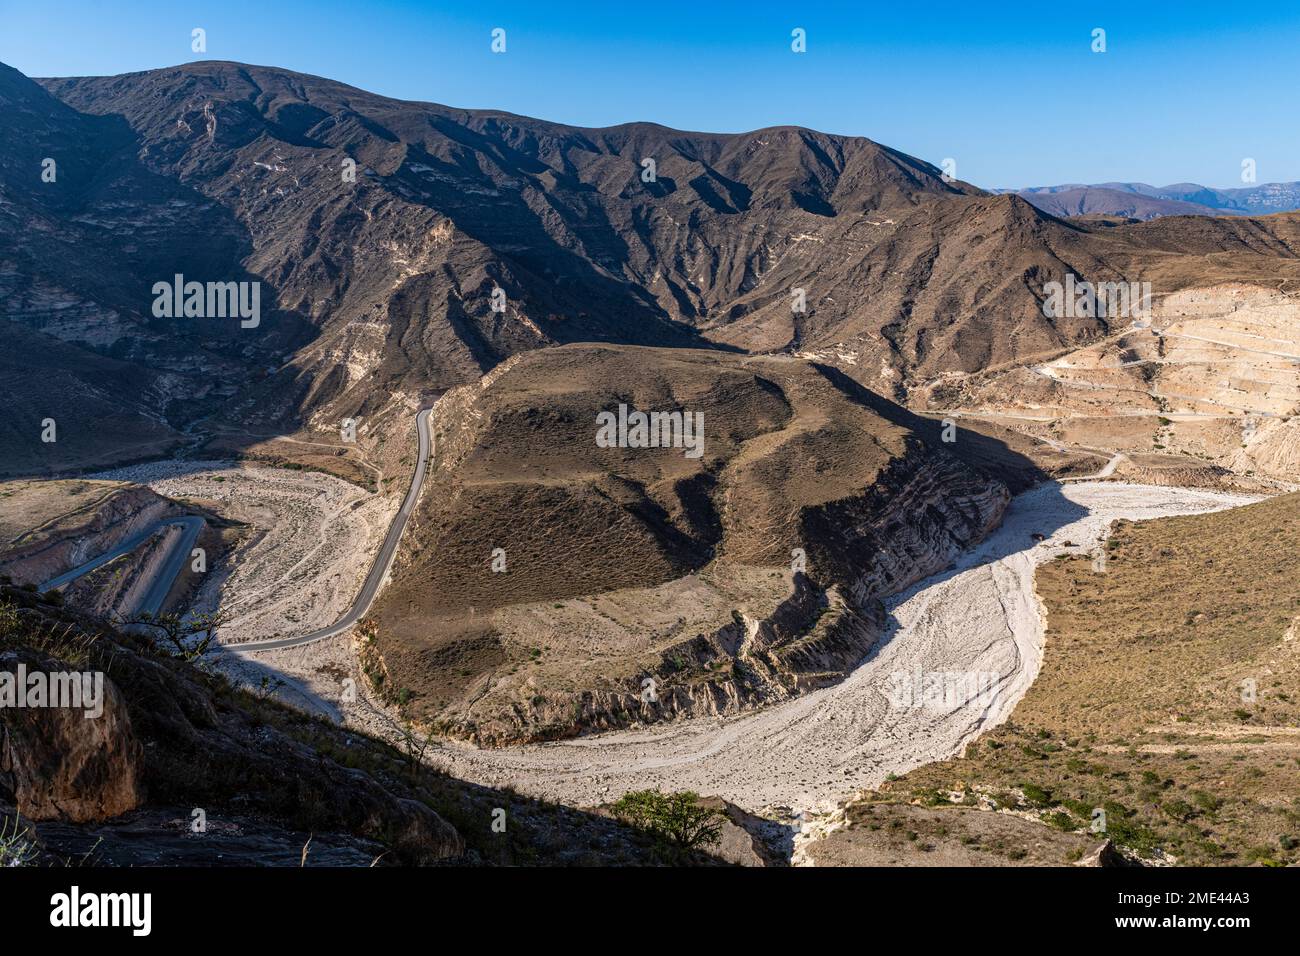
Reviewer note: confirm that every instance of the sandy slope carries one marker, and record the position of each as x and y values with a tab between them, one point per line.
812	752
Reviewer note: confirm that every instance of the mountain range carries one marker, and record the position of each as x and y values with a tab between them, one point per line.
446	302
380	291
1140	201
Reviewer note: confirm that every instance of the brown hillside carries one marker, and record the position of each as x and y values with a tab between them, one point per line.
1179	717
378	291
628	563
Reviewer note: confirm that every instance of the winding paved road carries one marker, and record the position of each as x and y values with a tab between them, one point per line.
152	602
192	525
378	571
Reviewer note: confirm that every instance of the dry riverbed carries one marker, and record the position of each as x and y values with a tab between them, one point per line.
811	753
311	540
316	535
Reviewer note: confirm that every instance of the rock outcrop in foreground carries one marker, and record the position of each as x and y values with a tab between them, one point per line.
169	734
174	766
553	586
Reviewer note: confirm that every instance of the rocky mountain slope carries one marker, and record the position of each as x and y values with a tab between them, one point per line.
1100	201
547	578
1211	380
470	236
170	734
81	243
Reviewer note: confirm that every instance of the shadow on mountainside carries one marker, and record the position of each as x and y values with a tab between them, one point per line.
173	738
533	266
1016	533
985	453
85	251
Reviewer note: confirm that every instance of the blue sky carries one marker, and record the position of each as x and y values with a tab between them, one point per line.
1011	91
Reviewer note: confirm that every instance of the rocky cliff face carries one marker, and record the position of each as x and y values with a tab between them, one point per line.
922	511
554	586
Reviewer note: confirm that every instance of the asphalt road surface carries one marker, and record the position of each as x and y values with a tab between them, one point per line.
378	572
190	526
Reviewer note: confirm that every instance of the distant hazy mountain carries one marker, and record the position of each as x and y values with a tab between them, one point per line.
1140	201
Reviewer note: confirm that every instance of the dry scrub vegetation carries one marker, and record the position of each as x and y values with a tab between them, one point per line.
624	565
1143	706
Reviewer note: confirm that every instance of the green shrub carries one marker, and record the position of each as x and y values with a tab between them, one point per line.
1062	821
1206	801
676	818
1036	794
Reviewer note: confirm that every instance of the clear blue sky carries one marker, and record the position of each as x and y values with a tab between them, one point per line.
1012	91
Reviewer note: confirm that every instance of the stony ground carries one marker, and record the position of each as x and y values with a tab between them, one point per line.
811	753
310	541
1179	717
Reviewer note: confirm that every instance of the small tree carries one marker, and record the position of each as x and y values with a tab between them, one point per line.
675	817
179	632
268	685
414	747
